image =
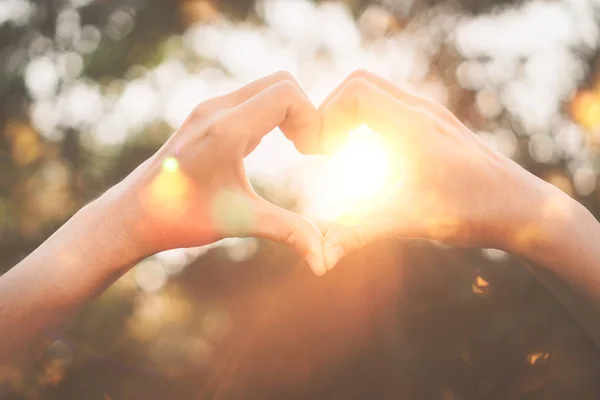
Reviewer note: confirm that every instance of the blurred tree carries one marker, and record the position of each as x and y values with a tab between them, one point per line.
397	319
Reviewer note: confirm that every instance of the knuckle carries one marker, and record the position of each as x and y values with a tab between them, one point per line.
360	73
287	88
283	76
357	87
355	96
200	112
286	93
290	238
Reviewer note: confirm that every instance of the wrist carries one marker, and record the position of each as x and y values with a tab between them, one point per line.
114	225
543	218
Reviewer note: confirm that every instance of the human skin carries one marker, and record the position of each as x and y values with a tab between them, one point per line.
194	191
458	191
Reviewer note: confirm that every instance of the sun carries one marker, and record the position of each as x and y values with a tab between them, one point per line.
352	179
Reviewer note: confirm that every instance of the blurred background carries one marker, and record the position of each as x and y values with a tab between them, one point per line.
89	89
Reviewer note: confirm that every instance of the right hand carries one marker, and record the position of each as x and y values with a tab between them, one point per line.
455	189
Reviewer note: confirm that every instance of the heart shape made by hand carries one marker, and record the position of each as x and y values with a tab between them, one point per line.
196	188
352	180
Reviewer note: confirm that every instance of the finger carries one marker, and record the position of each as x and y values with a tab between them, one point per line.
401	94
243	213
284	226
242	94
362	102
343	239
281	105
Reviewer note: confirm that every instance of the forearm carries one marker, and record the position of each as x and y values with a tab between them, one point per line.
584	309
562	249
48	289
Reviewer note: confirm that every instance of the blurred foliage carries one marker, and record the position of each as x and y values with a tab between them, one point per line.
400	319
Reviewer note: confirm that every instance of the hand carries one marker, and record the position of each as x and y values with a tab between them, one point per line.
454	188
195	191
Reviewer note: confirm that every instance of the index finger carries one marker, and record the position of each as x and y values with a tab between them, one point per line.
404	95
362	102
281	105
244	93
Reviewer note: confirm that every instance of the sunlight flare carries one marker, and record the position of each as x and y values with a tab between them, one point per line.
168	195
352	179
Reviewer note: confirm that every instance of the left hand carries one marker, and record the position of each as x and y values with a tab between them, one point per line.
195	191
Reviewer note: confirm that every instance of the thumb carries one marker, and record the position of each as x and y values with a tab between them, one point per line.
343	239
293	230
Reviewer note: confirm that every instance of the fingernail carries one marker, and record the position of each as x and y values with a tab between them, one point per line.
316	264
333	255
